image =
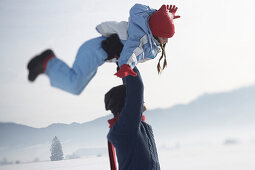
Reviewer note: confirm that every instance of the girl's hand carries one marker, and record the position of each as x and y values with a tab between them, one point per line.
173	9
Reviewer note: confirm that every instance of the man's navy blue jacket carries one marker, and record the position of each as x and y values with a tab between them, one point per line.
132	138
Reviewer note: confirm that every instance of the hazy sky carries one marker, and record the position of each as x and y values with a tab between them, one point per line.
213	50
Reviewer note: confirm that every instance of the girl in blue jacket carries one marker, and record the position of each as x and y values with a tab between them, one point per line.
147	30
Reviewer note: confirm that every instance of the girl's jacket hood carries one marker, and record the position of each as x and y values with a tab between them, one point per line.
140	44
112	27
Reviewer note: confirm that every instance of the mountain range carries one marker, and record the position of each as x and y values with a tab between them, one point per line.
226	114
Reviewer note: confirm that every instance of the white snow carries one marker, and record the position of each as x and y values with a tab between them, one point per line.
210	157
99	163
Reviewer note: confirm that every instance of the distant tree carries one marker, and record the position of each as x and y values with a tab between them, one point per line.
73	156
99	155
4	161
56	150
36	160
231	141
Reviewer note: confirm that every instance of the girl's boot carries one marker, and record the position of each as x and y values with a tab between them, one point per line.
37	65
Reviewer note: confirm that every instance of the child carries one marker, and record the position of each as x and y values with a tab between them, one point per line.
145	33
146	30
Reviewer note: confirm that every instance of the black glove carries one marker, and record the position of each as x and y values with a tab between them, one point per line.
112	46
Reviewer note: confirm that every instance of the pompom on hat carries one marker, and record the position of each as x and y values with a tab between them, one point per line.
161	22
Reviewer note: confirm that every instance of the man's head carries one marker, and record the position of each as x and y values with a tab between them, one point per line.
115	98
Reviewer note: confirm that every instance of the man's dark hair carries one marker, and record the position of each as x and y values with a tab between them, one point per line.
115	98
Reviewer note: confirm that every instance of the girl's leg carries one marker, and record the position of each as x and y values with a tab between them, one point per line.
89	57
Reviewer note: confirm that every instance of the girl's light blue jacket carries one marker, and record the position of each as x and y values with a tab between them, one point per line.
139	46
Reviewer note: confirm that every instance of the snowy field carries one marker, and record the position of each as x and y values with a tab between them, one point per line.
215	157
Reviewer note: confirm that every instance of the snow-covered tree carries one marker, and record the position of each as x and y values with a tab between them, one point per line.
56	150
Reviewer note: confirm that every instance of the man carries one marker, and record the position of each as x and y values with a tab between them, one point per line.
132	138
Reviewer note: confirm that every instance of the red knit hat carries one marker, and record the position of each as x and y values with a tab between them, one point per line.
161	24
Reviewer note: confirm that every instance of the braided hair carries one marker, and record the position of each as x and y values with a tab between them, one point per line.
163	54
160	69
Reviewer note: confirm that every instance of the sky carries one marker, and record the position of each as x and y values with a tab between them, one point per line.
211	51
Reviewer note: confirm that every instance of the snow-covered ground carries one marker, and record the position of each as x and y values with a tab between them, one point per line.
221	157
207	157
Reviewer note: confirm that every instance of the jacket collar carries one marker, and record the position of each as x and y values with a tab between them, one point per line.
113	120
